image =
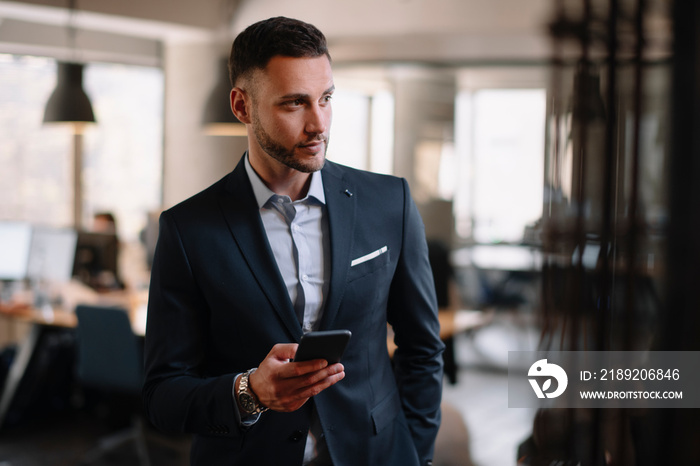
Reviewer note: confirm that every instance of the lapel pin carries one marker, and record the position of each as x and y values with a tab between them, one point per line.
348	193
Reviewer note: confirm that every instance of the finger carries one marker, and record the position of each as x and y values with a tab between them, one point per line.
300	386
283	351
321	385
299	369
276	378
293	393
297	397
314	377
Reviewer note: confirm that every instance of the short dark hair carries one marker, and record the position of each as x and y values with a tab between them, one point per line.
259	42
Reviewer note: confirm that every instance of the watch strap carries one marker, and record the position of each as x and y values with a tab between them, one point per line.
245	390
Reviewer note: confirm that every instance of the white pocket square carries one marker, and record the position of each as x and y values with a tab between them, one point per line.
369	256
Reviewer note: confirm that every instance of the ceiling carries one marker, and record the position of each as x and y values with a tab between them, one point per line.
435	31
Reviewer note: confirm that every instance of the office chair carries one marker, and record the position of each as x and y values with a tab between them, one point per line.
505	293
110	360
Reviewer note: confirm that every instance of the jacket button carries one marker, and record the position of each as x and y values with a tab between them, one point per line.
296	436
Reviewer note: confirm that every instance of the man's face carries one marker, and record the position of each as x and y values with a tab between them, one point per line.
291	111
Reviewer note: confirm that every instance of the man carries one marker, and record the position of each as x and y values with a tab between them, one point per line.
285	244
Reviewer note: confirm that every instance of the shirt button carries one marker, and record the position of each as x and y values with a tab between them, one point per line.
305	277
296	436
296	228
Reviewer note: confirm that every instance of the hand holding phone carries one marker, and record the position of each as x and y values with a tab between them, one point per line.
326	344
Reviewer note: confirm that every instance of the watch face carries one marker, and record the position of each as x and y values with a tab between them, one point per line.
247	401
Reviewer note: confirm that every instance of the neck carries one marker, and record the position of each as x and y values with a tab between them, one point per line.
279	178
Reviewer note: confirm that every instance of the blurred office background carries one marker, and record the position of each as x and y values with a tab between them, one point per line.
548	143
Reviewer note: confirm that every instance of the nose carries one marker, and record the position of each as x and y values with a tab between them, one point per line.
318	119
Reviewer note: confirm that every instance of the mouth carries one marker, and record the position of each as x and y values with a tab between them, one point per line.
313	146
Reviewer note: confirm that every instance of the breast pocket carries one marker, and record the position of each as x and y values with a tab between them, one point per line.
369	263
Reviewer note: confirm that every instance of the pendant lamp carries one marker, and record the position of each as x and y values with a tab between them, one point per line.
69	103
219	119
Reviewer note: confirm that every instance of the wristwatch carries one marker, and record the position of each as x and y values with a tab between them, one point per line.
249	402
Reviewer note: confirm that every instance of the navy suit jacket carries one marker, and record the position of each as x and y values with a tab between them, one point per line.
218	304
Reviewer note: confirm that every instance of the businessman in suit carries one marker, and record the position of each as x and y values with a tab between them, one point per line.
285	244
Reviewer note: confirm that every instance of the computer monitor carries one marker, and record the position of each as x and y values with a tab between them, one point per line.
52	254
95	255
15	241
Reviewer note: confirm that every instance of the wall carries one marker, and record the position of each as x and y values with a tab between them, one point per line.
193	160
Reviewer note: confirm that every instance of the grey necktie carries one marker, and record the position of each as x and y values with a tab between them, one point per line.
285	207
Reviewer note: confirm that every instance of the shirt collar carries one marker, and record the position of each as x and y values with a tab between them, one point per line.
263	193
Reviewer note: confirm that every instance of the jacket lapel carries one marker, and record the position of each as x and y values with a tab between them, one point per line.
241	212
340	203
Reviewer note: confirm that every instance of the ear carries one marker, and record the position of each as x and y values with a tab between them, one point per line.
240	102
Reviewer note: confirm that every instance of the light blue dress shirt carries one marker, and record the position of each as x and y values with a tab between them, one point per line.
298	235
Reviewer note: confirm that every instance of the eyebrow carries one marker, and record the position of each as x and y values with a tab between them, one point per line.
305	96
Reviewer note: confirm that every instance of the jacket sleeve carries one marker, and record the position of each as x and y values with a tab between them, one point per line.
412	312
178	395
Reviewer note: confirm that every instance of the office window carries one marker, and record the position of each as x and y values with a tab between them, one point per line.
500	147
382	133
362	134
122	156
349	136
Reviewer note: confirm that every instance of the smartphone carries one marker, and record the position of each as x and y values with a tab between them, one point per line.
325	344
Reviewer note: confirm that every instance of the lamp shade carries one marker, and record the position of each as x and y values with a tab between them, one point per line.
219	119
69	102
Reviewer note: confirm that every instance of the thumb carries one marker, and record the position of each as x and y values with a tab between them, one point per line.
284	351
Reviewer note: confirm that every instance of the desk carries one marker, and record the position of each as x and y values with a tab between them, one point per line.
40	319
57	316
506	273
451	323
506	257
